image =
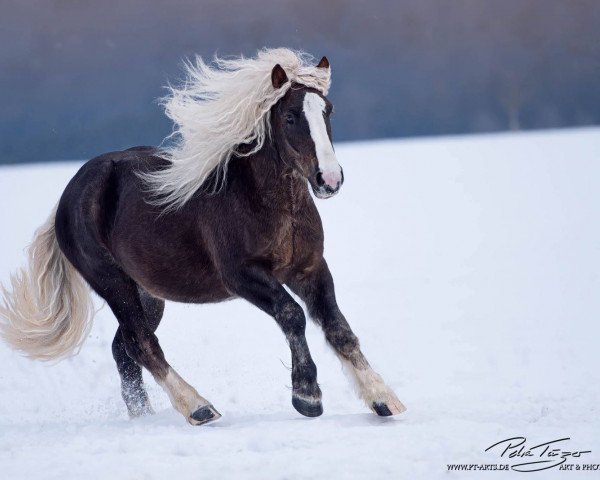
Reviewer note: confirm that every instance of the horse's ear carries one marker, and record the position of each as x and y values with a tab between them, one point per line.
278	76
323	63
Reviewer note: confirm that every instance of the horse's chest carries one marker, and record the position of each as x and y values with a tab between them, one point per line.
291	246
281	245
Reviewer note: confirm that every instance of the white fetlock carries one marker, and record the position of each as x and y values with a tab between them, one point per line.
369	385
187	401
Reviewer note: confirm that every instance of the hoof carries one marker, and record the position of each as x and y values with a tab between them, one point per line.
307	407
203	415
388	409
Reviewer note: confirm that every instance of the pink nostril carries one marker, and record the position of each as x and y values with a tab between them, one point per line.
332	179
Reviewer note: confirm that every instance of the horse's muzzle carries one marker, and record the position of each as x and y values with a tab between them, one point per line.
327	184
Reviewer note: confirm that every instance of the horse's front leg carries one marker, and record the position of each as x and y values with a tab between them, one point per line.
264	291
317	291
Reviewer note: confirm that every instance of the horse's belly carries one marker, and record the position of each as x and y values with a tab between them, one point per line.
205	289
182	274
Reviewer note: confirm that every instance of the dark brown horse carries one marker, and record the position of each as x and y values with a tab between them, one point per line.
250	230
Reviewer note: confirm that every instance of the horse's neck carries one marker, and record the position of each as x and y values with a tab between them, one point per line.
277	184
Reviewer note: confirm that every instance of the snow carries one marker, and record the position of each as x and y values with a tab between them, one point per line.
469	267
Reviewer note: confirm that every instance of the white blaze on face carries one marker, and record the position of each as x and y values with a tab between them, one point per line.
313	108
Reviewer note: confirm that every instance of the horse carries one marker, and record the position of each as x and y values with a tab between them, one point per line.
224	211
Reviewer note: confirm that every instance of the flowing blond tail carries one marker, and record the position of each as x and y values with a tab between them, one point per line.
49	312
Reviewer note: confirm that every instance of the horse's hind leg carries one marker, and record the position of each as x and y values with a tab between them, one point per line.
132	384
317	291
141	344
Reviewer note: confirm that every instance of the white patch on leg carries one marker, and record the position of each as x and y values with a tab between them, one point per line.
185	399
371	388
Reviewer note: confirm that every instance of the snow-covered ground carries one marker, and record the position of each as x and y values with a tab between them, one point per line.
470	269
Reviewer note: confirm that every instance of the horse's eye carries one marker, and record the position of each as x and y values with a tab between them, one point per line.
289	118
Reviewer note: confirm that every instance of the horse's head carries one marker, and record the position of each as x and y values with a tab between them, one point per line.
302	131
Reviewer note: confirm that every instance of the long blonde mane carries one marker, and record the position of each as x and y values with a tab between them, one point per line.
218	108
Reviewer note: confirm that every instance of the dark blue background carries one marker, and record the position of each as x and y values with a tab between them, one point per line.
78	78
